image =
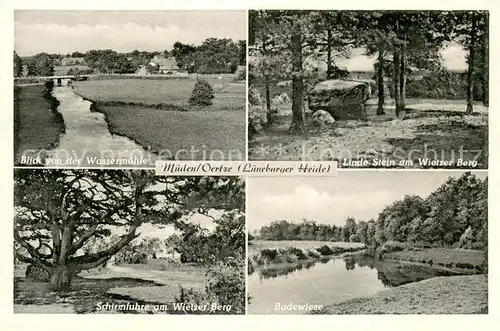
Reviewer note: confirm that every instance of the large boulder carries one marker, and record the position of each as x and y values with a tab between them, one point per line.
322	118
343	99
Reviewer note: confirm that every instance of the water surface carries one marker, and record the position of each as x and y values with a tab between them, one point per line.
328	281
87	138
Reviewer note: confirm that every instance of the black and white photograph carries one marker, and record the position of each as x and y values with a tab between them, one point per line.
369	89
118	88
367	242
128	242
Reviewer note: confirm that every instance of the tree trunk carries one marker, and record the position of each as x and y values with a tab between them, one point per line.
60	279
470	70
402	79
267	92
380	81
298	120
329	55
395	79
267	95
486	63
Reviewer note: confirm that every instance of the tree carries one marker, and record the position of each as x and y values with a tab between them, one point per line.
18	65
61	210
184	55
40	65
349	228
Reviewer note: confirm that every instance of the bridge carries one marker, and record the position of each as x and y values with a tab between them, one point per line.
57	79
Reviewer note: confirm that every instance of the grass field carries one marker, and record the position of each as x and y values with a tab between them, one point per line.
432	128
216	132
456	258
439	295
35	126
174	91
126	283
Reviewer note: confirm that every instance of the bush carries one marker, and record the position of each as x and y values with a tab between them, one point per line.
241	74
394	246
36	273
354	238
225	286
270	254
325	250
313	253
254	96
297	252
202	94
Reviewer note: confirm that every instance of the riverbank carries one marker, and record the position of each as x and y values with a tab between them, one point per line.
439	295
286	254
36	127
469	259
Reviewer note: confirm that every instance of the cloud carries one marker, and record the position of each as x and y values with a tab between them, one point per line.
122	36
313	204
454	57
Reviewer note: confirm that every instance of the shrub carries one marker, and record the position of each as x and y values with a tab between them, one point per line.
225	286
270	254
313	253
36	273
289	258
394	246
241	74
297	252
202	94
354	238
254	96
325	250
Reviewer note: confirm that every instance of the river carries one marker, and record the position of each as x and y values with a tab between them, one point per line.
328	281
87	141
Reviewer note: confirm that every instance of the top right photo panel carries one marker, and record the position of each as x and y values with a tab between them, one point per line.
369	89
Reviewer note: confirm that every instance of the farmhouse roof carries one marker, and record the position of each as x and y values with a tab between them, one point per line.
165	63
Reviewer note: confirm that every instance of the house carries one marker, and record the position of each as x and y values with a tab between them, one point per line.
160	64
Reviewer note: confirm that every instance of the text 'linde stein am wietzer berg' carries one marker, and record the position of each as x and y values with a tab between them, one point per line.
255	168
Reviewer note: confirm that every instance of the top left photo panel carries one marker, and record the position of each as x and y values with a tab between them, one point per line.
127	88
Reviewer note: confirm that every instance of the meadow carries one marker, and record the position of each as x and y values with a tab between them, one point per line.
140	110
173	91
456	258
35	126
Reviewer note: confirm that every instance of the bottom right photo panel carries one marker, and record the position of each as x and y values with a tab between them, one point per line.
369	242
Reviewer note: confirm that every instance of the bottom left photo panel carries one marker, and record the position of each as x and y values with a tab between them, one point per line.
127	241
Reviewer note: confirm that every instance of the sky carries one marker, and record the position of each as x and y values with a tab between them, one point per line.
330	200
453	58
123	31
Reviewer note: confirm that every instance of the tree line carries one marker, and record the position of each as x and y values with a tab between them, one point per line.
454	215
214	55
282	44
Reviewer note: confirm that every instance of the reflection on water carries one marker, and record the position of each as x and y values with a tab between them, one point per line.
87	136
329	281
